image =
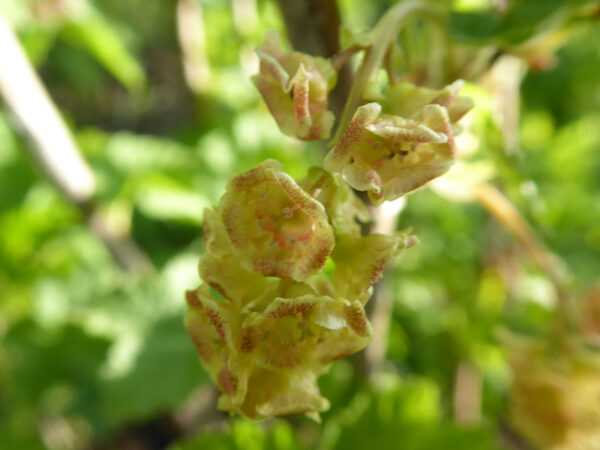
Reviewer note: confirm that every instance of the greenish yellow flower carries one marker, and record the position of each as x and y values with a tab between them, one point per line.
555	396
266	363
392	148
295	87
274	226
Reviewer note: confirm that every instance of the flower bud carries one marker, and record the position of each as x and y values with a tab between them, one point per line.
295	86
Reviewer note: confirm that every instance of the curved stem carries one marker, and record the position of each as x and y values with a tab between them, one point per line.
384	33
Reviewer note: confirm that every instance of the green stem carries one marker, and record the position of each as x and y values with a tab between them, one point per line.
384	34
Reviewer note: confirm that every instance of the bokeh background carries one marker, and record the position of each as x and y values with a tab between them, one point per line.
157	95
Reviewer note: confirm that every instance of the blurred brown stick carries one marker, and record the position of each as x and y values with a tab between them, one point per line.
38	120
52	145
467	395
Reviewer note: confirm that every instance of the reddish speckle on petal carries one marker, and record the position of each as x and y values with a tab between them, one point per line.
357	320
192	299
251	336
227	382
377	270
289	309
204	348
217	321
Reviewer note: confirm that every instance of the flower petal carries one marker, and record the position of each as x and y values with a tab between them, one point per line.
209	325
360	262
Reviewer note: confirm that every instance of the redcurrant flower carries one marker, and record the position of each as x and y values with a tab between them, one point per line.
274	226
266	363
295	86
388	154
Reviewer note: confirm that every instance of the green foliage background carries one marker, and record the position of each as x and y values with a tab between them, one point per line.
92	355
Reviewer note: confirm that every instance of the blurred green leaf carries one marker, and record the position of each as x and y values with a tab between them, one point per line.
164	373
94	33
523	19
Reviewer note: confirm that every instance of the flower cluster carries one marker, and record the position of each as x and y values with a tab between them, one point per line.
286	274
286	270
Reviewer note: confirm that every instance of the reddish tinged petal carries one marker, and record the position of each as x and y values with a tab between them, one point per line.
357	319
349	332
301	98
360	262
205	316
209	326
227	382
342	153
253	330
281	308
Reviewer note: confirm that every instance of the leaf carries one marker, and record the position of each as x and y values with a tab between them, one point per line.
97	36
165	372
525	19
